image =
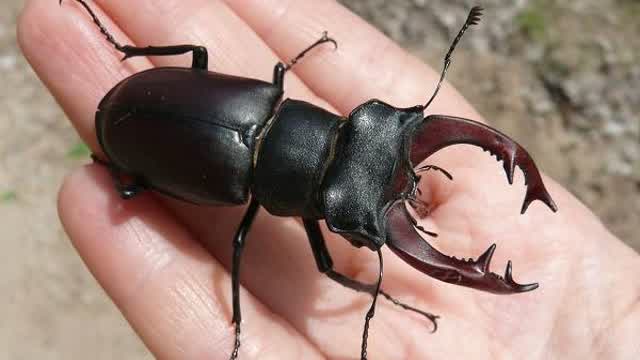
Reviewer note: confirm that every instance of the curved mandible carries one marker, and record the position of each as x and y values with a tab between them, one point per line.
404	241
439	131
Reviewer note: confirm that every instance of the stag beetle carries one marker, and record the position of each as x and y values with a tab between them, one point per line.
216	139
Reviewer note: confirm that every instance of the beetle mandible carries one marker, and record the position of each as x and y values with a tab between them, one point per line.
244	143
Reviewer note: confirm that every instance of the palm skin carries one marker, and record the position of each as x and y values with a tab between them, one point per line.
165	263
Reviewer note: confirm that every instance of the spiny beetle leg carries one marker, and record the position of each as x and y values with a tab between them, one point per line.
238	246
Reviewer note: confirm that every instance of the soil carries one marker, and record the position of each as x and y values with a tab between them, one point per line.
563	78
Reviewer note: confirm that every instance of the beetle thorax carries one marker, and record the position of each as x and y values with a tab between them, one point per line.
315	164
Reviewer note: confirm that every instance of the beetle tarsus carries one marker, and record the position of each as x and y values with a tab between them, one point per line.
324	39
281	69
371	290
431	317
372	309
102	28
236	342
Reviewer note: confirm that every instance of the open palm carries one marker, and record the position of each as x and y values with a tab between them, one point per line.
166	263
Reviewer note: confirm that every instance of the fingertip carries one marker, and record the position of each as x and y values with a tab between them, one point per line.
87	183
27	30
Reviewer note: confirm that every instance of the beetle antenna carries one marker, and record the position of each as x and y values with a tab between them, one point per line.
434	167
102	28
472	19
324	39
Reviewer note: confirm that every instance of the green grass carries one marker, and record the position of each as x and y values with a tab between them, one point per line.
8	196
79	151
631	11
533	22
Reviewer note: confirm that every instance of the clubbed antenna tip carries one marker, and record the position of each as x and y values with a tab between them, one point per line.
474	15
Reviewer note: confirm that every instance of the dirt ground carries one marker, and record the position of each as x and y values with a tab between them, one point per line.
563	79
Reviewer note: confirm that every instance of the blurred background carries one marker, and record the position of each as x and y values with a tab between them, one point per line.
561	77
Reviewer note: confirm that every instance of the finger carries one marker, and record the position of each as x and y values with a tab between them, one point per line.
367	65
172	292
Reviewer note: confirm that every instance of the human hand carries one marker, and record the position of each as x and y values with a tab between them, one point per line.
165	263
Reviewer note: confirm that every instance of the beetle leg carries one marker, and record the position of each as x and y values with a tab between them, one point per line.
324	39
372	309
281	69
325	266
126	191
200	55
238	246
